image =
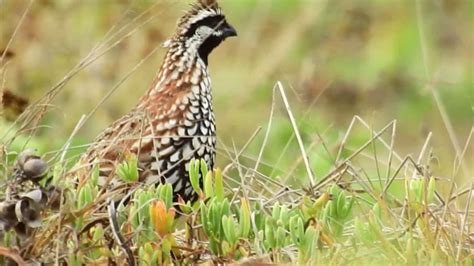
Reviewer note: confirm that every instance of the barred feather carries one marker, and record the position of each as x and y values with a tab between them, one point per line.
174	121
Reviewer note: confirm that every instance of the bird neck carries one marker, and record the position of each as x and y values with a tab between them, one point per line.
182	67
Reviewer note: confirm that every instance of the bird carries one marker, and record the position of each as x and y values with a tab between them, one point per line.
174	121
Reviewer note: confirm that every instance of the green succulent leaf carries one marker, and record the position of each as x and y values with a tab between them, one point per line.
296	229
244	217
208	185
276	211
431	189
203	166
194	175
229	229
94	178
269	236
128	169
165	193
280	237
207	226
340	204
218	184
347	208
85	196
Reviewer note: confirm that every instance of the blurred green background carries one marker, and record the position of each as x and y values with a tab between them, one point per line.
381	60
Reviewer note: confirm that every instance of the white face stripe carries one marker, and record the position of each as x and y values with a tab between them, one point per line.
217	33
199	12
201	34
204	32
202	14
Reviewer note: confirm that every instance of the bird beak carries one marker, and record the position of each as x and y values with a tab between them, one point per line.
229	31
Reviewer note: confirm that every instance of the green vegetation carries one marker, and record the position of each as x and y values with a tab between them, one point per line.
374	166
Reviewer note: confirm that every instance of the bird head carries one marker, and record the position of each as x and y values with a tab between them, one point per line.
202	29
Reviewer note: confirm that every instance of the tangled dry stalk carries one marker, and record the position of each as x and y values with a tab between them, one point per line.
389	221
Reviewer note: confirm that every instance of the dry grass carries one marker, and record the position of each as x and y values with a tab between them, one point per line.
374	173
442	228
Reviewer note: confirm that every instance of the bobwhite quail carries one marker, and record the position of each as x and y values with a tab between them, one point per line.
174	121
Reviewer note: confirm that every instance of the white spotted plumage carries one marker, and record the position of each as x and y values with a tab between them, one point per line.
174	121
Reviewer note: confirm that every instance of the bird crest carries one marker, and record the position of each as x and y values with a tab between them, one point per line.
208	3
199	10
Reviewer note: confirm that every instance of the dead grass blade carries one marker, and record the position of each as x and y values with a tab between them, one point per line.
12	254
297	134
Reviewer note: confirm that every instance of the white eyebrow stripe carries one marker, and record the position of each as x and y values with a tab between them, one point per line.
202	14
199	17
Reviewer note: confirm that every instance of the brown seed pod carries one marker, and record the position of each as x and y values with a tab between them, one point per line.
28	212
8	218
55	197
25	156
35	168
37	195
22	230
31	166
